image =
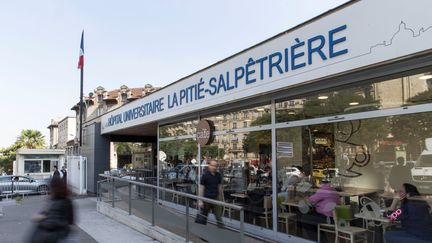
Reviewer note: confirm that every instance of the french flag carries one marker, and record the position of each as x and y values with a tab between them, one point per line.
81	57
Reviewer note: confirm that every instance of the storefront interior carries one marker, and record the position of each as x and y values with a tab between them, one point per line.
363	140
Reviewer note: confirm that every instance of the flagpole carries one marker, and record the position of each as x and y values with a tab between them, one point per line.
81	108
81	104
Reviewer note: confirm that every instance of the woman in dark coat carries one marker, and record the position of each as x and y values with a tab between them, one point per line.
53	224
415	217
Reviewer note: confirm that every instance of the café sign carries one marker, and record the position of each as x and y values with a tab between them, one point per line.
204	133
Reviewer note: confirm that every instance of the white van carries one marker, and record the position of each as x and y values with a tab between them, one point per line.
422	171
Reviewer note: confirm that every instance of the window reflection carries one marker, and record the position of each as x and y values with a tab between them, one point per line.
245	162
178	129
405	91
241	119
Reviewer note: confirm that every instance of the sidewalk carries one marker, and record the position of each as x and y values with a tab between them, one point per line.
93	227
103	228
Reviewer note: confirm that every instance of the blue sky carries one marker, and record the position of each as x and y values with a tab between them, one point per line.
126	42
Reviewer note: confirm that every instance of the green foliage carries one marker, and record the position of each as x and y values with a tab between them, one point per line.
184	149
213	151
30	139
412	129
123	148
422	98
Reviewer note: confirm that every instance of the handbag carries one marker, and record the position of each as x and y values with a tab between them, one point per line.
200	218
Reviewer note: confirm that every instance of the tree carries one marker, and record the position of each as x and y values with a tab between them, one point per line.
7	156
30	139
123	148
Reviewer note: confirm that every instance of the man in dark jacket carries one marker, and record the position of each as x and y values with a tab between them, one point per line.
56	173
64	172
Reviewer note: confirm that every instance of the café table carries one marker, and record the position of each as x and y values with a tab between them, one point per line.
294	202
239	195
378	221
347	192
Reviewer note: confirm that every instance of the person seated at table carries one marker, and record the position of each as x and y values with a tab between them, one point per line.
415	217
323	200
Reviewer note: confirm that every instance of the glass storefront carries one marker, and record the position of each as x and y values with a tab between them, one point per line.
361	158
245	118
399	92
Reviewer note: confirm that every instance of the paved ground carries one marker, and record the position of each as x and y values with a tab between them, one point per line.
16	225
104	229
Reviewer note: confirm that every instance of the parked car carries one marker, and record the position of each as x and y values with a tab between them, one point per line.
292	171
22	184
183	172
422	171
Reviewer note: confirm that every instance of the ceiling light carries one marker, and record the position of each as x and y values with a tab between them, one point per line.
426	76
353	103
219	117
260	109
322	97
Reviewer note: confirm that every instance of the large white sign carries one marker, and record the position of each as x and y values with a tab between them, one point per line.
363	33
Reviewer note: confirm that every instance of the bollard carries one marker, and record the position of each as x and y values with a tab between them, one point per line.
187	219
112	193
153	207
130	198
241	225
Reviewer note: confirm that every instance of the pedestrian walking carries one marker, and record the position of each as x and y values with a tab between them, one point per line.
56	173
211	187
64	172
53	224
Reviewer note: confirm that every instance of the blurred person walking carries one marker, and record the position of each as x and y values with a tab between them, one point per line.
53	224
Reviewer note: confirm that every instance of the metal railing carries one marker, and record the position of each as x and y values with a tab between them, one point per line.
14	188
155	189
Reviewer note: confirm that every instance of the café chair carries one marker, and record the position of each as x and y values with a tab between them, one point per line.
266	214
228	209
342	215
285	217
327	228
175	197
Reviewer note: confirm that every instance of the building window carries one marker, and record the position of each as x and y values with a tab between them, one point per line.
244	124
47	166
32	166
257	116
291	103
124	97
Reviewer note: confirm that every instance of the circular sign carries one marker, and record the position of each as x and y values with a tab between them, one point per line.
204	132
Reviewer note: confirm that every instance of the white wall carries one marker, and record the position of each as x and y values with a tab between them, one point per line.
76	174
